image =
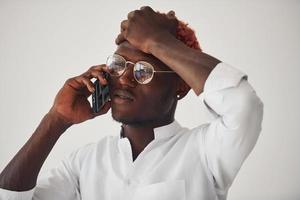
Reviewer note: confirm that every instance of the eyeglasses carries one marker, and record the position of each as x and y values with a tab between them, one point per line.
143	72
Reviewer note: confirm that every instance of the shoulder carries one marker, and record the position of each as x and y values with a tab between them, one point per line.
193	132
92	150
192	137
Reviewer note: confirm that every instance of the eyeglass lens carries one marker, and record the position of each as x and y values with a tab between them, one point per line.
142	71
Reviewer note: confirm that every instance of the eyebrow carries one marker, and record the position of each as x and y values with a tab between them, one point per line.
136	60
122	51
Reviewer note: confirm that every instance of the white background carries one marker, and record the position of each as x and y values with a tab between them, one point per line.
42	43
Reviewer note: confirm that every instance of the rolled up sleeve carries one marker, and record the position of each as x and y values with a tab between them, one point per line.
232	134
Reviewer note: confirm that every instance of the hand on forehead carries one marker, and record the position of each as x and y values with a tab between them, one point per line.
143	26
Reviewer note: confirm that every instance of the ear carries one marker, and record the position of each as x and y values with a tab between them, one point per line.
182	88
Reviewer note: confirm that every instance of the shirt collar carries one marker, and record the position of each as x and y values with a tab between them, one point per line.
162	132
166	131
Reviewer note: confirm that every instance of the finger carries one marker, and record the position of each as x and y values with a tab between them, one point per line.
120	39
148	8
171	14
98	72
85	82
99	75
131	14
102	68
89	84
88	73
98	66
109	70
124	25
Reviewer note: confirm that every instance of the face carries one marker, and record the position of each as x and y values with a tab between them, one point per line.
137	104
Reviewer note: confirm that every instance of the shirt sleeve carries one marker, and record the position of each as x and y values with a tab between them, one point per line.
237	116
59	183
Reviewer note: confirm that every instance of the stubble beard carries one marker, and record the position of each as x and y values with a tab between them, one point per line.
132	121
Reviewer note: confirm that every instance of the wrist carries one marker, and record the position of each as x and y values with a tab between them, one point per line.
56	125
156	42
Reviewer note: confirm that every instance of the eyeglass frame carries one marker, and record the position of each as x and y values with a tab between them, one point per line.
141	61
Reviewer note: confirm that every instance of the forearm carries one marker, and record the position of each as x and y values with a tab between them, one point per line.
193	66
22	171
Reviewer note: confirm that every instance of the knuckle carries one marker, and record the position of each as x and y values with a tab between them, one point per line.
146	8
83	78
91	68
137	12
70	80
100	67
123	22
95	68
129	15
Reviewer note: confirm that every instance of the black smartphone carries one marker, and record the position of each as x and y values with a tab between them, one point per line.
100	96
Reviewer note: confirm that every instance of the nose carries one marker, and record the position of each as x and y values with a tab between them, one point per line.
127	77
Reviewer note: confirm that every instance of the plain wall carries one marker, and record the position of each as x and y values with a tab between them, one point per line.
42	43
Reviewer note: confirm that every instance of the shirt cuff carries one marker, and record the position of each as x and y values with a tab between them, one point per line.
15	195
223	76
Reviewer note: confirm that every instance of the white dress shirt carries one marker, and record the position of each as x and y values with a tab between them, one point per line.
180	163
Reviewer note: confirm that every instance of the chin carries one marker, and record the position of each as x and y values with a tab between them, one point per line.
123	115
124	119
129	120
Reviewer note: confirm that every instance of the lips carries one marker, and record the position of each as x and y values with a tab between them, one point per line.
123	95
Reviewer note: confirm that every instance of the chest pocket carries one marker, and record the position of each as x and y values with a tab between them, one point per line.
169	190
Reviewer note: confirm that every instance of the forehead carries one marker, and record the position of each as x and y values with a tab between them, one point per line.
130	53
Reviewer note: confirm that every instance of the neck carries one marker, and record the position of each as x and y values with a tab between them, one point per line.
140	135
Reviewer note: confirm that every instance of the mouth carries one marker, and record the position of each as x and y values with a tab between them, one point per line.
122	96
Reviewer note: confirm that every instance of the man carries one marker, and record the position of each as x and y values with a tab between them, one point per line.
154	157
